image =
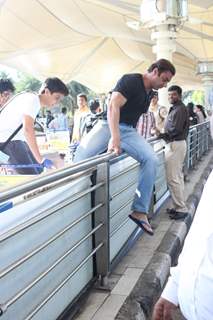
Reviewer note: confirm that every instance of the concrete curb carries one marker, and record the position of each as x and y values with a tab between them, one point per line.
139	304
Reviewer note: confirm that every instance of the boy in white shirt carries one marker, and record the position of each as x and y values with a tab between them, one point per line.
23	109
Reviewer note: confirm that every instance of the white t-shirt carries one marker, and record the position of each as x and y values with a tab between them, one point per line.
12	115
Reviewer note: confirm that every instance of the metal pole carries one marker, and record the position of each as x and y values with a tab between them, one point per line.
102	216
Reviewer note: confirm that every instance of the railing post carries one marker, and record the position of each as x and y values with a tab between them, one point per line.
102	216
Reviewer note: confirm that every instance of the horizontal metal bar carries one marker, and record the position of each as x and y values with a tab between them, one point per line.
125	188
59	174
119	227
31	315
47	213
200	125
122	207
45	244
7	304
55	184
42	180
161	150
135	165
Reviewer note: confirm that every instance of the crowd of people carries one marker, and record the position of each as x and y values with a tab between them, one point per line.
133	115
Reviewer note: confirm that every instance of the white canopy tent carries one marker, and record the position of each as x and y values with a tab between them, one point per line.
90	41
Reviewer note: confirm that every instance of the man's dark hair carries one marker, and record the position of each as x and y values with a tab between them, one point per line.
93	105
190	107
177	89
6	85
55	85
64	110
162	65
82	95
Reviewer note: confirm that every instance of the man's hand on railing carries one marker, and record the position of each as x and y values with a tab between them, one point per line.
114	146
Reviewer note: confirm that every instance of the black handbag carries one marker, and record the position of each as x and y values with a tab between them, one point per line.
4	144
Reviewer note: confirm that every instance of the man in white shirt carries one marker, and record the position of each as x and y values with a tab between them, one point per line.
190	285
22	110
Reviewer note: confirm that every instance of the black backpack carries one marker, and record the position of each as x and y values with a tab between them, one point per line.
93	118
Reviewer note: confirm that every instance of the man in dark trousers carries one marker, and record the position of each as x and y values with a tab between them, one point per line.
130	98
176	131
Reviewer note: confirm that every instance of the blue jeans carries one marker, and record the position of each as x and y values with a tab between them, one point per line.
96	141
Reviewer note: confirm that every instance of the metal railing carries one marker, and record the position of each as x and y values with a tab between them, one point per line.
89	228
198	143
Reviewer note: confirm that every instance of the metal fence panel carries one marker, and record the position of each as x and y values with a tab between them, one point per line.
15	247
123	182
51	240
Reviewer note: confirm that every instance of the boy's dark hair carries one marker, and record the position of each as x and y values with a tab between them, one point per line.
64	110
6	85
163	65
175	88
82	95
55	85
93	105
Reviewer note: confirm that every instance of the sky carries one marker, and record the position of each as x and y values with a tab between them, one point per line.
10	71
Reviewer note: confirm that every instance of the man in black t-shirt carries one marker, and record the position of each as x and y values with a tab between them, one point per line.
130	98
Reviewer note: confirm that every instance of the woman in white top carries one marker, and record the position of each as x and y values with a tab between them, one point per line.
201	115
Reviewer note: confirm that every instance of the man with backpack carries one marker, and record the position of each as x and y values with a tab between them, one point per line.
17	135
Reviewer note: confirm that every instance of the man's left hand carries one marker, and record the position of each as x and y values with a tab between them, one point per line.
163	310
114	145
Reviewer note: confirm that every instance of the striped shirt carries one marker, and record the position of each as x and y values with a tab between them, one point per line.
146	125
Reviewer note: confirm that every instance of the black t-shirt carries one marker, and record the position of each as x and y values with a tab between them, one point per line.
131	86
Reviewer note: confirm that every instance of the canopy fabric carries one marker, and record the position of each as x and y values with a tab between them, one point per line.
89	40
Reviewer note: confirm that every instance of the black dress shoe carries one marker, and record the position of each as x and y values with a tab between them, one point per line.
178	215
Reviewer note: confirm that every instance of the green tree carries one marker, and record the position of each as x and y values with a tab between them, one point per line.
198	97
195	96
74	89
27	82
4	75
